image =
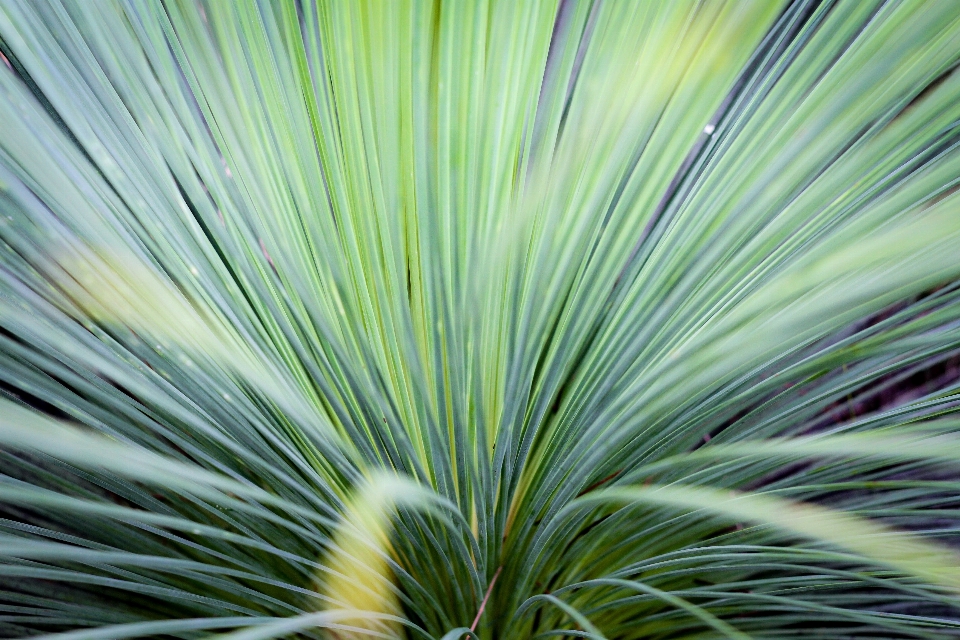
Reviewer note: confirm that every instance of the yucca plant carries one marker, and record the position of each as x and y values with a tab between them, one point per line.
507	320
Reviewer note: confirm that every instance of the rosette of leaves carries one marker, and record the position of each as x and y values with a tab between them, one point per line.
507	320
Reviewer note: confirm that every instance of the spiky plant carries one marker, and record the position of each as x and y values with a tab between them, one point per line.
507	320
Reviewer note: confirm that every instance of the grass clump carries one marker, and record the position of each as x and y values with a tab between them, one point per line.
480	319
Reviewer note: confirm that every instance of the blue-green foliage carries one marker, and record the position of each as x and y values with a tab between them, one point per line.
507	319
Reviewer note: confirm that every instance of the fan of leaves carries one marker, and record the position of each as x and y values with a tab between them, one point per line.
505	319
